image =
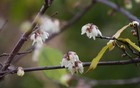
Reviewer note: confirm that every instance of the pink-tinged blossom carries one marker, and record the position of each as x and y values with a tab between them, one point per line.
91	30
38	39
72	63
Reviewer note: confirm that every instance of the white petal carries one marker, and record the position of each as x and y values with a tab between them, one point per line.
64	62
80	66
83	30
72	69
93	37
99	32
36	52
32	37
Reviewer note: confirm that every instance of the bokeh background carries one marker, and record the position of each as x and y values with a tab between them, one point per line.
15	12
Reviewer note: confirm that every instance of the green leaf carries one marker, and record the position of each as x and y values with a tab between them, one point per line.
51	57
97	58
130	43
116	35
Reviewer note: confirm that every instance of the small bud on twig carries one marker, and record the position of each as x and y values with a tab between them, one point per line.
20	71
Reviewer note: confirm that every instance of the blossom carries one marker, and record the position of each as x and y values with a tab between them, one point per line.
20	71
135	23
72	63
91	30
38	39
49	25
128	4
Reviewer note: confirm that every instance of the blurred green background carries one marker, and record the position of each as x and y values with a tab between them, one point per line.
18	11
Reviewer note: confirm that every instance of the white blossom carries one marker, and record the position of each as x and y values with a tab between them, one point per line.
38	39
20	71
72	63
91	30
135	23
49	25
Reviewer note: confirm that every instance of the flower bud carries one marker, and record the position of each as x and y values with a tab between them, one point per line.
20	71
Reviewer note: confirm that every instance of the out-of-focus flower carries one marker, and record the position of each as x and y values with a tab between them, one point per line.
65	79
72	63
20	71
91	30
25	26
49	25
128	4
137	1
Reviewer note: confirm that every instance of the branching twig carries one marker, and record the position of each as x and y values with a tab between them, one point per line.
25	36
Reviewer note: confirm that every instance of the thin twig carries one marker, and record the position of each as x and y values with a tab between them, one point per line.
20	53
73	20
119	9
85	64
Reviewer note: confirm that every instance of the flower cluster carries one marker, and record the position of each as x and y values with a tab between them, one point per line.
91	30
72	63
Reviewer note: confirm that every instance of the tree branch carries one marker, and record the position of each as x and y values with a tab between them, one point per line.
85	64
119	9
73	20
25	36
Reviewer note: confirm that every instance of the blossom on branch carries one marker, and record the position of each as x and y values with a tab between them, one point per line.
20	71
72	63
91	30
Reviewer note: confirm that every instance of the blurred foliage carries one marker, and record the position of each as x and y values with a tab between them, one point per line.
17	11
52	57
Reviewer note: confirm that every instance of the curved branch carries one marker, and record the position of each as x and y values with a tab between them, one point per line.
119	9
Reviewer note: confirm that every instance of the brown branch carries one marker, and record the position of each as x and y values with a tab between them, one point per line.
85	64
20	53
25	36
119	9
